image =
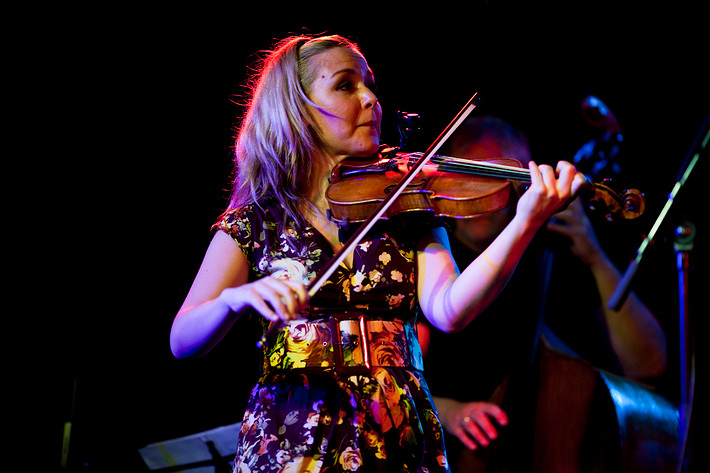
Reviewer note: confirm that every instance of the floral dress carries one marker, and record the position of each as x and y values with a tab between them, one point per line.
317	419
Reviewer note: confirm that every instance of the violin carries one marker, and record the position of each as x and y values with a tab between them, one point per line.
450	187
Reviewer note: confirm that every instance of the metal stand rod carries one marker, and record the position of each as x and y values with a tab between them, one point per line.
685	235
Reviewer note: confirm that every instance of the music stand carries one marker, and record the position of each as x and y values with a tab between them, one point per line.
211	451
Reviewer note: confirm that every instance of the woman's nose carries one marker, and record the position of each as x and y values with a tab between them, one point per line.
369	99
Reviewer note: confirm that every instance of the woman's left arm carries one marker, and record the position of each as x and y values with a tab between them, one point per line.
451	300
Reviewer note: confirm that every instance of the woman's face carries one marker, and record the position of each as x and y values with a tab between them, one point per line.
349	122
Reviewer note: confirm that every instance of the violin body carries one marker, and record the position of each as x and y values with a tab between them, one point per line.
357	190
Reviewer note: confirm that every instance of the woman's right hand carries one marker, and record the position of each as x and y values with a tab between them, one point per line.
275	299
220	294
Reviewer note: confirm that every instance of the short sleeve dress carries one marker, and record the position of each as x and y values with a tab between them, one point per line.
308	420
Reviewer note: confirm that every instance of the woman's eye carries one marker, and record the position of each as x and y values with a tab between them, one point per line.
347	85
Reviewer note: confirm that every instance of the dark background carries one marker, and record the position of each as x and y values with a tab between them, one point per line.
133	115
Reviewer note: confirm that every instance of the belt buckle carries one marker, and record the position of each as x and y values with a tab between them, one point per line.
340	366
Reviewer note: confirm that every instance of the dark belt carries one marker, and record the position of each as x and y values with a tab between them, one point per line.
350	343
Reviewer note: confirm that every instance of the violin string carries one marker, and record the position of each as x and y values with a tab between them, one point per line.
467	166
485	169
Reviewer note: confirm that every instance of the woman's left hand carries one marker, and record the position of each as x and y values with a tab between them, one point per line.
550	191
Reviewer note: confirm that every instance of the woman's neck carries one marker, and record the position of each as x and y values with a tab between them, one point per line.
315	210
323	165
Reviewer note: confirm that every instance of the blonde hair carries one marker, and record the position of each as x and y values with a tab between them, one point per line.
276	138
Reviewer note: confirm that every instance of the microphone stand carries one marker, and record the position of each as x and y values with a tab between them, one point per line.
684	236
684	242
623	288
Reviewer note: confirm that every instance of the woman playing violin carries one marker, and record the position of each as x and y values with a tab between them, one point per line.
342	386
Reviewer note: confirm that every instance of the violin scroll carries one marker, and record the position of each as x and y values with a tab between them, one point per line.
629	205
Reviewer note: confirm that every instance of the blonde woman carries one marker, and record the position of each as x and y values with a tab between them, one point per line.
318	406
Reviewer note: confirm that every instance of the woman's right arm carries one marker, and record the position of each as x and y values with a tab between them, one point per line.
220	293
